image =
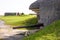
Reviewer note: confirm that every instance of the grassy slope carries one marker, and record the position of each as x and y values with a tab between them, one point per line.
19	20
51	32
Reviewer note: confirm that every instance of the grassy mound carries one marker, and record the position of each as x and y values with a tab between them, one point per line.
51	32
19	20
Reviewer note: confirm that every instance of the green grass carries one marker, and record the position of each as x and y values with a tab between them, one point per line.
50	32
19	20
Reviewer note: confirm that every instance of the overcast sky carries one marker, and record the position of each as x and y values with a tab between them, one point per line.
15	6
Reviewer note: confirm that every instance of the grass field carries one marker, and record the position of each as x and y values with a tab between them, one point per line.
51	32
19	20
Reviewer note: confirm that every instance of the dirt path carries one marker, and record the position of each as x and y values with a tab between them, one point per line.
15	37
7	33
14	34
11	34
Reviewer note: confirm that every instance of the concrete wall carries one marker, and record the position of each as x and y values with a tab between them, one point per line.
48	11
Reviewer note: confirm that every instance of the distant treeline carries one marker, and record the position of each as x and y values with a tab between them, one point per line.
11	14
15	14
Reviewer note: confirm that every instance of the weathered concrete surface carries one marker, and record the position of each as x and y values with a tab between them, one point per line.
49	11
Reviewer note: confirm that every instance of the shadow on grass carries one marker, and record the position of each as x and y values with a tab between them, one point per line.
31	21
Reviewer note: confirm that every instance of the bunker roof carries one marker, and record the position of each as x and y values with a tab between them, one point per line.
34	5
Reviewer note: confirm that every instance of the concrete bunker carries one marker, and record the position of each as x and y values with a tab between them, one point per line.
47	10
